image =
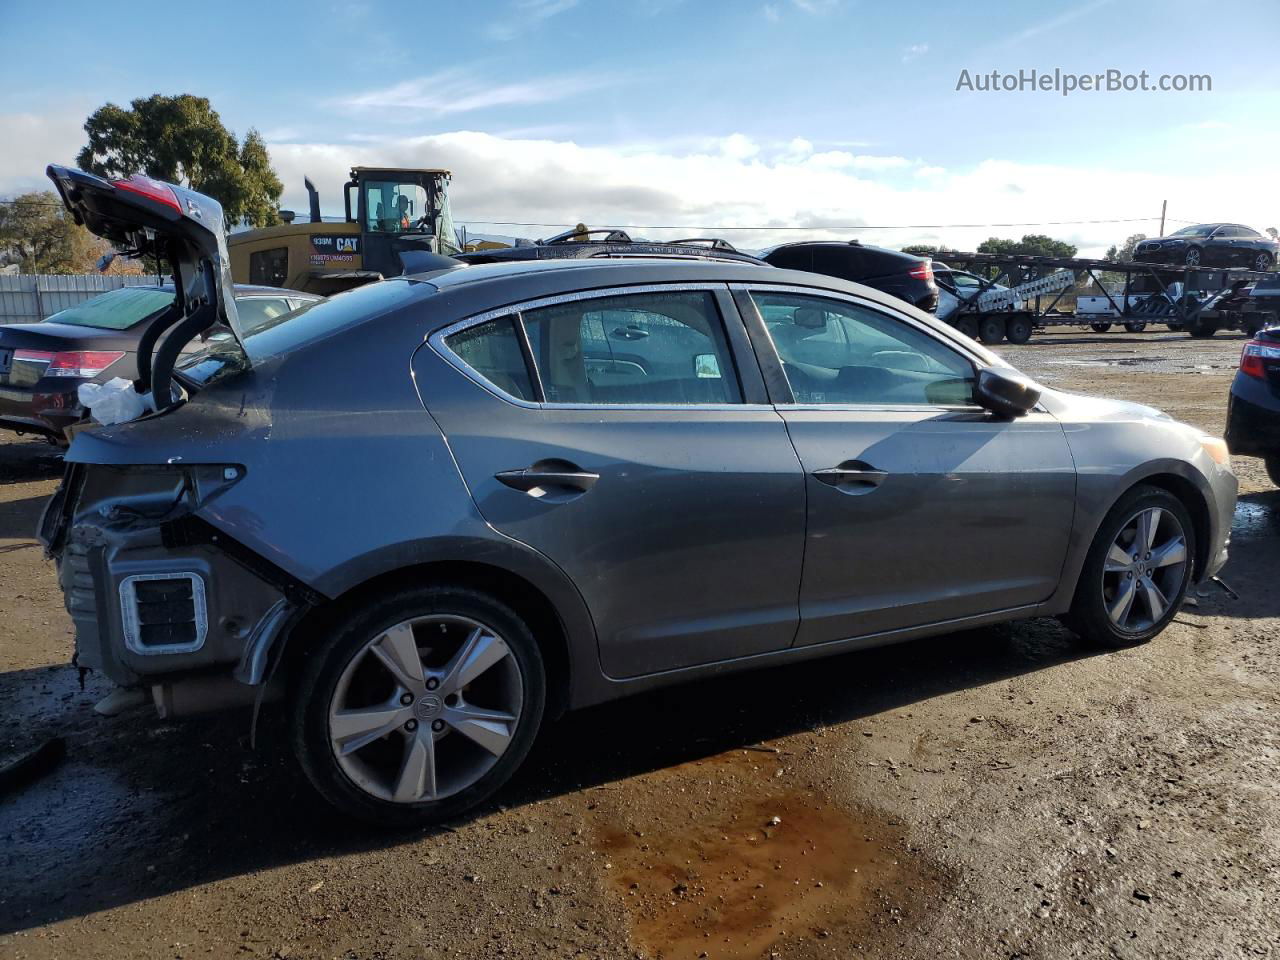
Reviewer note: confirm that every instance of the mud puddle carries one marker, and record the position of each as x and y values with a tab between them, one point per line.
739	860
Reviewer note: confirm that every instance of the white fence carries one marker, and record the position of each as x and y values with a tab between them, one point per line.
28	298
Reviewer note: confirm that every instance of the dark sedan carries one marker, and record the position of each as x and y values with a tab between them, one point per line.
1211	245
907	277
1253	410
43	364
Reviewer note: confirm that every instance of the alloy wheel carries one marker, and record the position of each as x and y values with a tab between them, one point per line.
1262	262
1144	569
1193	257
425	708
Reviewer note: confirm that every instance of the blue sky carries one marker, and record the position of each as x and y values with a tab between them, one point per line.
812	113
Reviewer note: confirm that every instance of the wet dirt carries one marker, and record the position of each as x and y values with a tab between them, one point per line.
1024	796
708	873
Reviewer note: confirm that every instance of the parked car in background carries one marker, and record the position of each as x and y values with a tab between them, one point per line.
1253	409
597	244
1211	245
43	364
522	514
899	274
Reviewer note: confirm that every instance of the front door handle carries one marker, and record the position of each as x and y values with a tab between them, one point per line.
851	476
552	480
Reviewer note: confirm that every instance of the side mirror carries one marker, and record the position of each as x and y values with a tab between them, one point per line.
1005	393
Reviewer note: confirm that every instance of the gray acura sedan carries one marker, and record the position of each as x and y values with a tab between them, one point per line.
435	511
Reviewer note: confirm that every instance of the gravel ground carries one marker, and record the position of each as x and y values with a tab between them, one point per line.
996	793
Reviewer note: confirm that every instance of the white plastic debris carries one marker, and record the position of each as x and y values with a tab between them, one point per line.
113	402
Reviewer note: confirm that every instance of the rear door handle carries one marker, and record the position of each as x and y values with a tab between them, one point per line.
851	475
553	480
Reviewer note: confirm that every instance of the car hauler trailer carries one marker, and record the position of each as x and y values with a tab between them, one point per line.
1198	300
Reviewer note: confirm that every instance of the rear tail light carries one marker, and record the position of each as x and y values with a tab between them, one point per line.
71	363
922	271
156	190
1254	356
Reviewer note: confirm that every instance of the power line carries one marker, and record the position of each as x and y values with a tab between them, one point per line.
896	226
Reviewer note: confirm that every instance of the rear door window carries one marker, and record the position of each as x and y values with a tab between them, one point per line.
492	351
663	347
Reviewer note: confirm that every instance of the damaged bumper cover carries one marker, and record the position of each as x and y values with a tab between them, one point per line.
154	590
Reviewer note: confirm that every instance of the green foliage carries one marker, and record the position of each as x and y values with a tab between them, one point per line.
37	234
181	139
1125	251
1031	244
921	250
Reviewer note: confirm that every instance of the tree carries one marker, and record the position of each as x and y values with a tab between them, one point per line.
1031	244
37	234
1125	251
181	139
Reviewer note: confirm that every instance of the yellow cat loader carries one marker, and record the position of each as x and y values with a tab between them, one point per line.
398	220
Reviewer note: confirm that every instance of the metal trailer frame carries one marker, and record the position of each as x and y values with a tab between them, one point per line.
1198	316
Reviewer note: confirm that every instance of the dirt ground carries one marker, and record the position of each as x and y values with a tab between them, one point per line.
997	793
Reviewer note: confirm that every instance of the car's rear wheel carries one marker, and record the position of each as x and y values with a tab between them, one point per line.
1018	329
1262	261
1137	571
1273	468
991	329
419	706
1099	327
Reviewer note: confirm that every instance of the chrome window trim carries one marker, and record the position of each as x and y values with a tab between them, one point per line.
976	361
129	614
437	343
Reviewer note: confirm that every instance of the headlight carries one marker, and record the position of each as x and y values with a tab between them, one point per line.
1216	448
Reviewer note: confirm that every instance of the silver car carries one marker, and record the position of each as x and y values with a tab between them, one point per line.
436	510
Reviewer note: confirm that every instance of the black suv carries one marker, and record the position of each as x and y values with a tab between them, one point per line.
900	274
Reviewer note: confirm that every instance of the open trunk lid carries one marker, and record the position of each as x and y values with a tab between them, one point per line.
146	217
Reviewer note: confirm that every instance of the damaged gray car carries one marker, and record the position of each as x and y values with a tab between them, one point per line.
437	510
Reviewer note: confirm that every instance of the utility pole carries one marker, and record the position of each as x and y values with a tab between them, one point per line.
1164	205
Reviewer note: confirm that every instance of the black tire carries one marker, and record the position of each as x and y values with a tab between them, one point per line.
1273	468
1202	329
326	662
1018	329
1088	614
991	329
1135	327
1099	327
1262	262
968	326
1194	257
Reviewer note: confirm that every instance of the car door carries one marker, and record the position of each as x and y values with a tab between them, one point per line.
1222	249
922	507
620	434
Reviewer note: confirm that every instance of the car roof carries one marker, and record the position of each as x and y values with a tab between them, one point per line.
841	245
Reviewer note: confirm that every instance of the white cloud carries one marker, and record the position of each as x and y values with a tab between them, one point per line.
461	91
32	141
771	12
914	52
1053	23
525	15
738	182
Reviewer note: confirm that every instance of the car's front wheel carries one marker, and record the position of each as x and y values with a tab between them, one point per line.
1137	571
419	706
1192	258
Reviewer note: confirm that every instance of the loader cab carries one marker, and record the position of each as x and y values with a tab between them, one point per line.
389	213
400	210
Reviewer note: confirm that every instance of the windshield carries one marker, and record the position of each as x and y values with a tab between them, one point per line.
115	309
392	207
1202	230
